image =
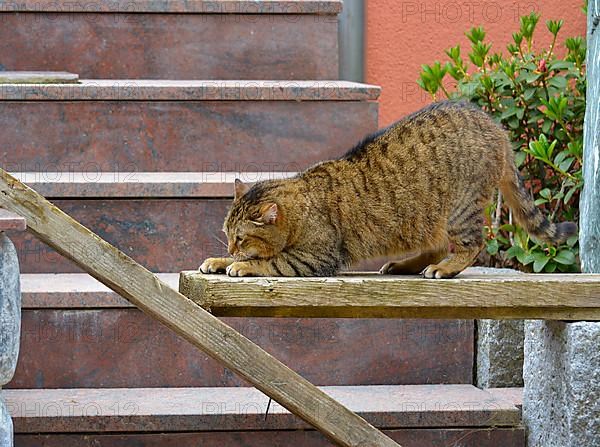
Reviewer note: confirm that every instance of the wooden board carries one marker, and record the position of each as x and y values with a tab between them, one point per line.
38	77
144	289
550	297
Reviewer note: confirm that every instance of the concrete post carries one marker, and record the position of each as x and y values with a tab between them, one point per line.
499	361
10	316
561	404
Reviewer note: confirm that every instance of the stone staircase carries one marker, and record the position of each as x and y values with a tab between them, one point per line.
177	98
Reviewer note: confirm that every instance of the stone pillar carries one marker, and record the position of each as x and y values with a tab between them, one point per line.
499	361
561	403
10	328
10	316
500	353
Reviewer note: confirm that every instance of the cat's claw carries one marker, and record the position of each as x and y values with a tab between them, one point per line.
215	265
438	272
242	269
385	269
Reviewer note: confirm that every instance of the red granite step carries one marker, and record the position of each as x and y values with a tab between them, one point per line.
136	126
11	222
408	437
168	221
173	39
139	185
77	333
414	415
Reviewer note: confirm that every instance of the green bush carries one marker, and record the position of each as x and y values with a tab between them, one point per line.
539	96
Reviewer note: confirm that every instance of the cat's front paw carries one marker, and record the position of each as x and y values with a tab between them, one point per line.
215	265
244	268
436	271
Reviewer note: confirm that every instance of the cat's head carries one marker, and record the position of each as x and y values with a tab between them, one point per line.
254	225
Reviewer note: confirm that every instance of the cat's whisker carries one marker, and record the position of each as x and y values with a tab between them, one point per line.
224	244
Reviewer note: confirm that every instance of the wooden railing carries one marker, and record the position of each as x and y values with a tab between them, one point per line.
469	296
143	289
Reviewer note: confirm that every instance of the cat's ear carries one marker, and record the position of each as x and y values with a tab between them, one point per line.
239	189
269	213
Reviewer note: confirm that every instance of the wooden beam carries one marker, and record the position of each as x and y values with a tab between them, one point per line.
142	288
469	296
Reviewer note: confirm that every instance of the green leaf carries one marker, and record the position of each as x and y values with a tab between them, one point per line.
559	82
561	65
546	126
511	111
515	251
560	157
570	193
572	240
520	158
492	247
565	165
539	265
527	259
550	267
546	194
565	257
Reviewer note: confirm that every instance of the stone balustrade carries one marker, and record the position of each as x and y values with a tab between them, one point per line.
10	315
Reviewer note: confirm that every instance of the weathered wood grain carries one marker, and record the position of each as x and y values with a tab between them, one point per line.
142	288
551	297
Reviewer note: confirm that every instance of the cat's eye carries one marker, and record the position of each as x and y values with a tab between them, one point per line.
238	240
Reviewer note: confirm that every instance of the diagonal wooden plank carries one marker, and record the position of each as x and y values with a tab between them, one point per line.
142	288
519	296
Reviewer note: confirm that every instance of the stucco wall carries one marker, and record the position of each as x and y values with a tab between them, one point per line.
403	35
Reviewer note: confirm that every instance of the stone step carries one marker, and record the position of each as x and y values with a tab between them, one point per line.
142	125
37	77
166	221
412	415
76	333
173	39
141	185
11	222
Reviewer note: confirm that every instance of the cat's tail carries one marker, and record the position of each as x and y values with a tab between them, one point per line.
524	209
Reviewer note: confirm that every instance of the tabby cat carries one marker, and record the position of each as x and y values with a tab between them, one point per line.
414	190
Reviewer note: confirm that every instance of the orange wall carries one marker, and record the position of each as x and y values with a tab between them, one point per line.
402	35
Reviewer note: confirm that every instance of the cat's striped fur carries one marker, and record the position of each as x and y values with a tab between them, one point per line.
415	188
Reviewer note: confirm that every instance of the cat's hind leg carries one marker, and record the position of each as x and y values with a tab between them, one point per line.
414	265
466	234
